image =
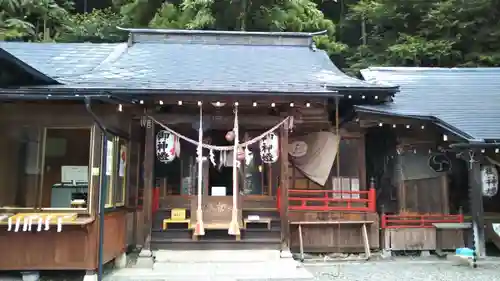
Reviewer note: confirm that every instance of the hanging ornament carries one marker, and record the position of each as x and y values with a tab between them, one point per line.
166	146
269	148
489	180
177	146
230	136
248	156
212	157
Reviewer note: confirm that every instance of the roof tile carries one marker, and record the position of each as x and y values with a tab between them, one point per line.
467	99
188	67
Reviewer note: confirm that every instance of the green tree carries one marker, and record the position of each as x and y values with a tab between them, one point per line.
32	20
97	26
427	33
250	15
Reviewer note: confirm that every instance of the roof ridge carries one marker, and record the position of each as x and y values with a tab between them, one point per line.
418	68
221	32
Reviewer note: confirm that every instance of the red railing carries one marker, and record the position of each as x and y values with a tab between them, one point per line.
331	200
418	221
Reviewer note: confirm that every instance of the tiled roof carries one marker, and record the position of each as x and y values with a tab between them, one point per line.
241	66
466	99
60	59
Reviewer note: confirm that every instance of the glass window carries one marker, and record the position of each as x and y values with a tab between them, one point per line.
110	158
65	179
121	182
20	165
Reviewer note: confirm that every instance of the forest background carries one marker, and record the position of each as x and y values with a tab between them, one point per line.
360	33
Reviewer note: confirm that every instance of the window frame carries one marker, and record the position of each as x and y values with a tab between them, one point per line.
111	200
124	183
109	203
90	191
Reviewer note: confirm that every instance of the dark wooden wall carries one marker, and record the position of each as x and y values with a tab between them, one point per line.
334	238
73	248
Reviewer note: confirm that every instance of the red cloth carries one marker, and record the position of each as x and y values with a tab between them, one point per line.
278	199
156	200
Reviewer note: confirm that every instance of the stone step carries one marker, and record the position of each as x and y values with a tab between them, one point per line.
217	256
287	269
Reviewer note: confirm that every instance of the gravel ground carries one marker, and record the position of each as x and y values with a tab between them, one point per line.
407	270
400	269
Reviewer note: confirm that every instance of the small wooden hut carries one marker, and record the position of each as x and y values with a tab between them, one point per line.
430	149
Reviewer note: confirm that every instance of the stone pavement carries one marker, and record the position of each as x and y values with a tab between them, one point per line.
431	269
217	265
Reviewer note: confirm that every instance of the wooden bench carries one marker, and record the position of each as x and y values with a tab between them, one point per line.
362	224
177	215
452	226
266	221
213	226
166	222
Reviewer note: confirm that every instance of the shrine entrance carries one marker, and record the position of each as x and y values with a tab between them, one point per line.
226	184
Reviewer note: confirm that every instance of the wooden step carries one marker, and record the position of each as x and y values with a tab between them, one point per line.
215	244
251	233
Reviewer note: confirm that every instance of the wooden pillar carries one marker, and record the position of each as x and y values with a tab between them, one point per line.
476	205
284	186
149	181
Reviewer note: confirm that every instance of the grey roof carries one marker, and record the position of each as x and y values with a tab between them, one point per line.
189	65
464	99
60	59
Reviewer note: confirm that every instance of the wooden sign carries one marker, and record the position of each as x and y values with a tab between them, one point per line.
178	214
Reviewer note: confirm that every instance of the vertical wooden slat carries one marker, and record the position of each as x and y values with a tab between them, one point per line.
285	226
444	197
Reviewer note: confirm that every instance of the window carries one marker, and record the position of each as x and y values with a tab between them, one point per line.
121	182
110	159
116	172
65	174
45	168
20	165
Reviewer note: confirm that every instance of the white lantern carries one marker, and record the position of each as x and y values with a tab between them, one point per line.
489	180
269	148
167	146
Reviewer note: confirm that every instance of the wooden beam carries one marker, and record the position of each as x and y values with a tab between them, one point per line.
228	120
476	206
149	182
285	226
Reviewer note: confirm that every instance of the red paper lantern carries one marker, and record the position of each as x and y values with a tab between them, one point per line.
230	136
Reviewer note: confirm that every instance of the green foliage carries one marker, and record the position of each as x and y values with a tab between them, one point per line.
360	33
98	26
427	33
34	20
